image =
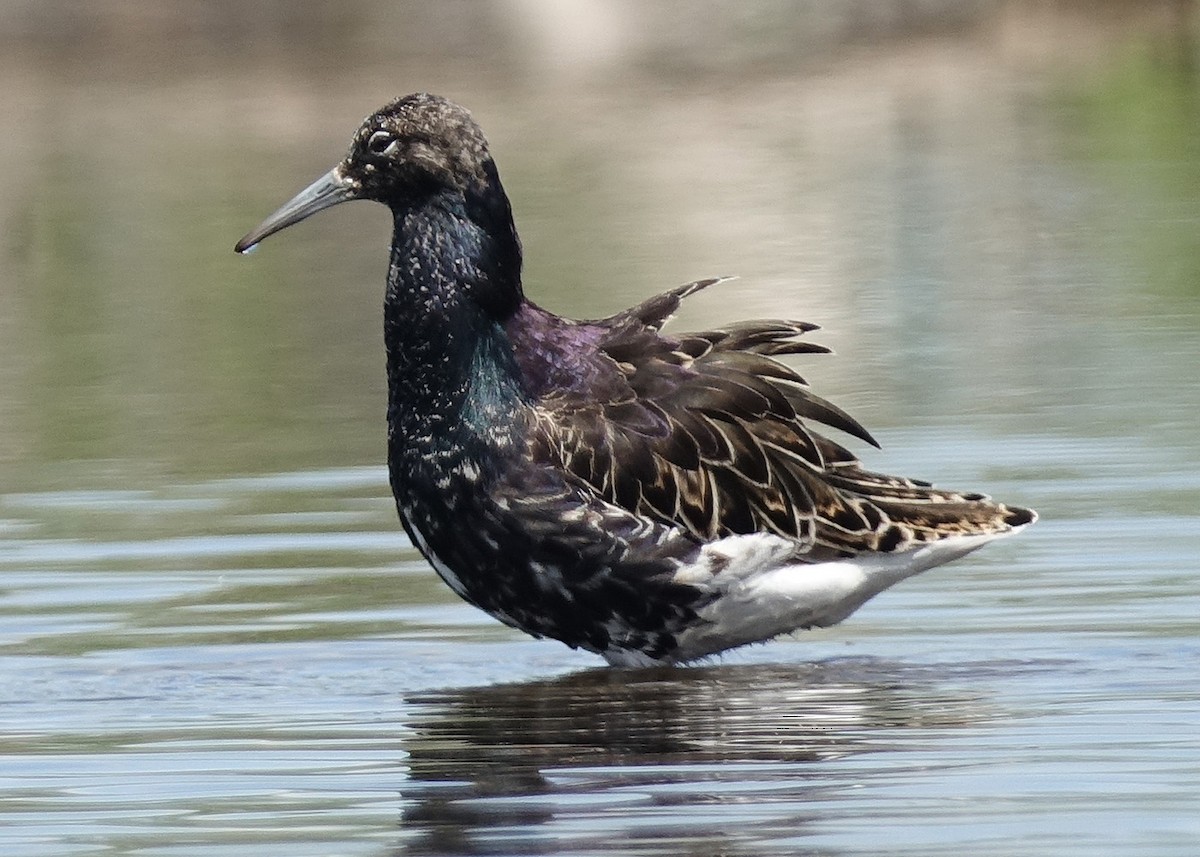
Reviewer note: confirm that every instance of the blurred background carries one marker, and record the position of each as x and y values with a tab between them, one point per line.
214	636
930	181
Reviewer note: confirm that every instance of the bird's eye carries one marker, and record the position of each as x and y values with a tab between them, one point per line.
381	143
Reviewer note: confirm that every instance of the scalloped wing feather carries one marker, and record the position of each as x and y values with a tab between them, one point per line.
709	432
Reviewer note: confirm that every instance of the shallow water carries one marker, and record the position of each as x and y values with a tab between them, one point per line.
214	637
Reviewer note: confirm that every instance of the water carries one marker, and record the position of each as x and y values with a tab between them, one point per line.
215	638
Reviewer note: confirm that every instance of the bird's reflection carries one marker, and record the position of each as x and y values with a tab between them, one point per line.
674	761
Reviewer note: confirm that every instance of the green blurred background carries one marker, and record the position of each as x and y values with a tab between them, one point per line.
934	182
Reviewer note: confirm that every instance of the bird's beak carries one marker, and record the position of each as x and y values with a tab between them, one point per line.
328	190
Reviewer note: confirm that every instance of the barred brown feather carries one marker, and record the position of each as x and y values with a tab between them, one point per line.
709	432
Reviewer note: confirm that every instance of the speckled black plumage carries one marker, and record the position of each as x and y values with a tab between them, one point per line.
602	483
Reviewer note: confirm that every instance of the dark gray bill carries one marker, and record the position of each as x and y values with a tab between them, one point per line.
329	189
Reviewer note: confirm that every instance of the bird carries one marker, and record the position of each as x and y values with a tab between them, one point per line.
654	498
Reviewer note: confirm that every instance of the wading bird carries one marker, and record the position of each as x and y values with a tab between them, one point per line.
650	497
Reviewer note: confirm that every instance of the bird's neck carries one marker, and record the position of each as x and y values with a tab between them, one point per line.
453	279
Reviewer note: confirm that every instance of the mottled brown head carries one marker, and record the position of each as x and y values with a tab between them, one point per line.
416	145
416	142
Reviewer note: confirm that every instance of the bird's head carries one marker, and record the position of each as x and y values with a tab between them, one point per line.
415	146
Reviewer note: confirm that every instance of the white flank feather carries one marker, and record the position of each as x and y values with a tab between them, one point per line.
764	588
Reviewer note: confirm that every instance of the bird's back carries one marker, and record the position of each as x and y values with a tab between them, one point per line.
710	433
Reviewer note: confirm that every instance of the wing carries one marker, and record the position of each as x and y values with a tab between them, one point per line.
711	433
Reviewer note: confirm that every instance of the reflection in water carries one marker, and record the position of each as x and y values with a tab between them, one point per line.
705	758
